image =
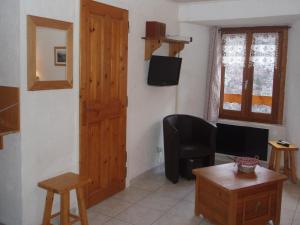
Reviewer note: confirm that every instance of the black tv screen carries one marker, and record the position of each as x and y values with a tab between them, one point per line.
242	141
164	70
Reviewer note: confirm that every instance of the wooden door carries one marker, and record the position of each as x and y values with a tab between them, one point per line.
103	99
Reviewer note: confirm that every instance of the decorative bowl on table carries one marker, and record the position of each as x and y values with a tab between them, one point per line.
246	164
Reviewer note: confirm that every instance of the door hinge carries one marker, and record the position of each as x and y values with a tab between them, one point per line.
126	171
126	101
128	27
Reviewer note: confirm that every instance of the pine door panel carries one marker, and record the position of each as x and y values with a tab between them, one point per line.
103	98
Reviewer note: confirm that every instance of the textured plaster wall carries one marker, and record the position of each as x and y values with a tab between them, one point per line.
10	156
192	87
49	119
292	108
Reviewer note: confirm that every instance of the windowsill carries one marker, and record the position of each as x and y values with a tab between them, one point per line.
251	124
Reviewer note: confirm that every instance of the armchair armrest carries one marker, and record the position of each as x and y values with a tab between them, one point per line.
171	151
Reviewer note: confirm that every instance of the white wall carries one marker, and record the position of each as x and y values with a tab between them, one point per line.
49	119
147	104
9	42
10	156
10	181
292	108
191	94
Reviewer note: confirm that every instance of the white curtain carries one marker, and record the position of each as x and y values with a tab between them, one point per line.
214	75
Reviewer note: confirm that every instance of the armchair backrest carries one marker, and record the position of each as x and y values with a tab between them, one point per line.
186	127
191	128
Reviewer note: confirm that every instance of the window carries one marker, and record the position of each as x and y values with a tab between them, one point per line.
253	73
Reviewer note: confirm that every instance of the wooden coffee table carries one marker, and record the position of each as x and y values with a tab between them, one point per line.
227	197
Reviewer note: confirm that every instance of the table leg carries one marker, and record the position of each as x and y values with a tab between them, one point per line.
271	160
232	209
197	188
48	208
81	206
276	220
64	208
293	167
278	160
286	163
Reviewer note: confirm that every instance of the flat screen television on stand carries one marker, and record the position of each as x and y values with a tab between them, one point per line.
164	70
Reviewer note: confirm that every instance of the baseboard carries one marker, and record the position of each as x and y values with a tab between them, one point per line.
147	171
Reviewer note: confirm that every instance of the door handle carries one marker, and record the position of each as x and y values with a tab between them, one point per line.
257	207
245	84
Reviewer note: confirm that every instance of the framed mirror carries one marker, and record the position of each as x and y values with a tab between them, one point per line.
49	54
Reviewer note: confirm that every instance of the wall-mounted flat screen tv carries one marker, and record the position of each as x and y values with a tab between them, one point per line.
164	70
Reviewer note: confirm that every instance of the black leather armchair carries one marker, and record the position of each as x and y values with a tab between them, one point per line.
187	137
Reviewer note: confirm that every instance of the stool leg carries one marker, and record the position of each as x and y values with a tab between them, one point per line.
48	208
278	160
64	208
286	163
271	160
293	167
81	206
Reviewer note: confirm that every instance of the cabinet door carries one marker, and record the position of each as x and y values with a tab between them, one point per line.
257	209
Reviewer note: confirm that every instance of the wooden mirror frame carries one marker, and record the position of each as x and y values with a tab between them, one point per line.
33	84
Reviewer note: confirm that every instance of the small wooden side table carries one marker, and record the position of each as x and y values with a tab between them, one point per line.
62	185
228	197
289	159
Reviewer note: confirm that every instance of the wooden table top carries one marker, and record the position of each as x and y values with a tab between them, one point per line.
227	176
274	144
64	182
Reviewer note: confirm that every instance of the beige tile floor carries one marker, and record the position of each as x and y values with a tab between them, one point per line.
153	200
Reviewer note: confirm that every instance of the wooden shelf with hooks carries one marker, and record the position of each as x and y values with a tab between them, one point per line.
9	112
175	46
151	44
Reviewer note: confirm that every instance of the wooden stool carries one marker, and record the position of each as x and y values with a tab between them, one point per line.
62	185
289	159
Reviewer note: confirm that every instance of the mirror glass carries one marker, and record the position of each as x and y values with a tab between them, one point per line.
51	54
